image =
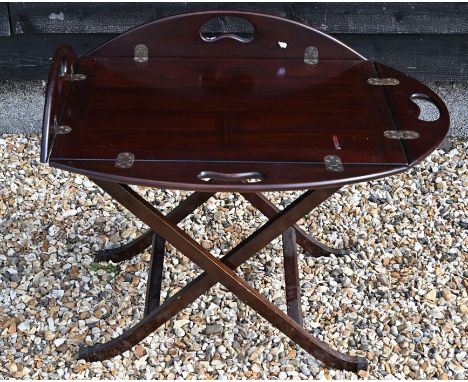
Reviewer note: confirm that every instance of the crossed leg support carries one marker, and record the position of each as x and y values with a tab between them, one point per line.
218	270
125	252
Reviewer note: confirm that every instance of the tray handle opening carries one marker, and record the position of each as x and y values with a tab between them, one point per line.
428	110
244	177
231	27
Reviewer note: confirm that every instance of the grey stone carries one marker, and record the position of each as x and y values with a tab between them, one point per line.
214	329
400	339
305	370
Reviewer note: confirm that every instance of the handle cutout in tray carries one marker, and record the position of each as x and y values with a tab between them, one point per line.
428	110
244	177
236	28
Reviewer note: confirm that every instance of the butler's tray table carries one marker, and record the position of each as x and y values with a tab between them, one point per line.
187	103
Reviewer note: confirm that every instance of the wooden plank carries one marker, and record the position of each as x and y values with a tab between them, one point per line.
425	57
430	18
28	57
114	17
4	20
384	17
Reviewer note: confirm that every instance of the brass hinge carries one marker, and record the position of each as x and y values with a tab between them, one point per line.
124	160
62	129
140	53
311	55
57	129
383	81
333	163
403	134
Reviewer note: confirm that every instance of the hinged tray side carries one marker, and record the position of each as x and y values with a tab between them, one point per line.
179	36
406	114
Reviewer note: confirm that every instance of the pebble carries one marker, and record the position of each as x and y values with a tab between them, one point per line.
180	332
363	373
446	294
24	326
403	282
59	341
400	339
305	370
214	329
431	295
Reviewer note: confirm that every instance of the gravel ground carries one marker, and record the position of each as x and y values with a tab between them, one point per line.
400	297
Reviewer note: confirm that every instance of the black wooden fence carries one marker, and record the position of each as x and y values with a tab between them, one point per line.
426	40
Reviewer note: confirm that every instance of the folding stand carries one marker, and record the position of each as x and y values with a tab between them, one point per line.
219	270
195	102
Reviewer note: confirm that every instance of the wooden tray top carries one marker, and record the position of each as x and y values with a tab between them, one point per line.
166	105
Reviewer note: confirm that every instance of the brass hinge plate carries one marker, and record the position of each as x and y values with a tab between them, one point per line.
311	55
124	160
403	134
333	163
62	129
73	76
383	81
140	53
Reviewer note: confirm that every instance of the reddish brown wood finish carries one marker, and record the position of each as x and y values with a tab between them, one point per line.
311	245
57	93
230	109
234	107
178	36
291	275
406	112
219	110
153	290
183	175
217	270
286	143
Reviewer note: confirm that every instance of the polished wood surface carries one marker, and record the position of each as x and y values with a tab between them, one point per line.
232	107
224	110
178	36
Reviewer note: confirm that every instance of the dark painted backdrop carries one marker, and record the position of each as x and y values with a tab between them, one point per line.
426	40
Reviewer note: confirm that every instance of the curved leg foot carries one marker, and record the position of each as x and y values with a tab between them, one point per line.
220	270
163	313
316	248
138	245
310	244
126	251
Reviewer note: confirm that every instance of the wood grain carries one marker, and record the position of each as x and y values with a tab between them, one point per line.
231	108
378	18
424	57
4	20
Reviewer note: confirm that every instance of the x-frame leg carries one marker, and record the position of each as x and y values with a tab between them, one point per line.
220	271
138	245
125	252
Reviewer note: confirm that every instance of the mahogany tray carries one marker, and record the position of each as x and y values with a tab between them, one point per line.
164	105
278	105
